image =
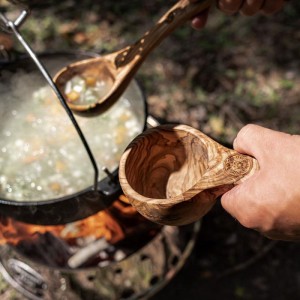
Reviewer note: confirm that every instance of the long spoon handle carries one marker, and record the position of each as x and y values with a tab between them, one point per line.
181	12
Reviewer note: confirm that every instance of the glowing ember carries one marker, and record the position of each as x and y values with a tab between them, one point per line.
101	225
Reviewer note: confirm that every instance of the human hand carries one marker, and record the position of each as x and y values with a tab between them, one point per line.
269	201
245	7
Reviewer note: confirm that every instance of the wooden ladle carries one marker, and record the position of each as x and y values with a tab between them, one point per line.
116	70
173	174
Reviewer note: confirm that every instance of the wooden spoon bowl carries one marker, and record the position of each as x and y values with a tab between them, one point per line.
116	70
173	174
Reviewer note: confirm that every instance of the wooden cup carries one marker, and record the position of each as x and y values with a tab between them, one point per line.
173	174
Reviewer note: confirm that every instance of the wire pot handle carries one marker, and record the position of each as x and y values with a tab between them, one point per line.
13	27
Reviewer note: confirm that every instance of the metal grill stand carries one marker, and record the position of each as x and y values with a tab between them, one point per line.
139	276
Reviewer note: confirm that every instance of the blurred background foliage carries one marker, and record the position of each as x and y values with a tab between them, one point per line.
238	70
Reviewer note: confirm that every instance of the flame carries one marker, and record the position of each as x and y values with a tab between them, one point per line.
104	224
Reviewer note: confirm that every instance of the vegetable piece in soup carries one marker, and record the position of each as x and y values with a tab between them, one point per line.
85	89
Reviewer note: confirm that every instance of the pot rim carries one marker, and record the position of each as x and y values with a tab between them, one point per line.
102	195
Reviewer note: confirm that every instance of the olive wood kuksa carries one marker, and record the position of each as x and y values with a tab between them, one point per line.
173	174
118	68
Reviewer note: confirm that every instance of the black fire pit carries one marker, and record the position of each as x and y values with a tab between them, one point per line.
123	256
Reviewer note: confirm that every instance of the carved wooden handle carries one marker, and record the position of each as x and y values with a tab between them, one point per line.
225	166
173	174
182	11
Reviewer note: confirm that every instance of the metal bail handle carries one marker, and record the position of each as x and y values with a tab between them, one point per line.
12	27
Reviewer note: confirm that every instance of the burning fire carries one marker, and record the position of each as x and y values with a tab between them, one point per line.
104	224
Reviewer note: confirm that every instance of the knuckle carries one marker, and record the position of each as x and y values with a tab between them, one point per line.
259	220
229	6
251	216
248	222
272	7
245	134
247	130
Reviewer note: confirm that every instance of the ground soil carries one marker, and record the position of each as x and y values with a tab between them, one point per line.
231	262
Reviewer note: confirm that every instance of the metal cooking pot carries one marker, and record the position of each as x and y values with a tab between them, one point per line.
83	203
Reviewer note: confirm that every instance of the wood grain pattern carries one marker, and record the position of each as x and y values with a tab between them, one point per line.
173	174
121	66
